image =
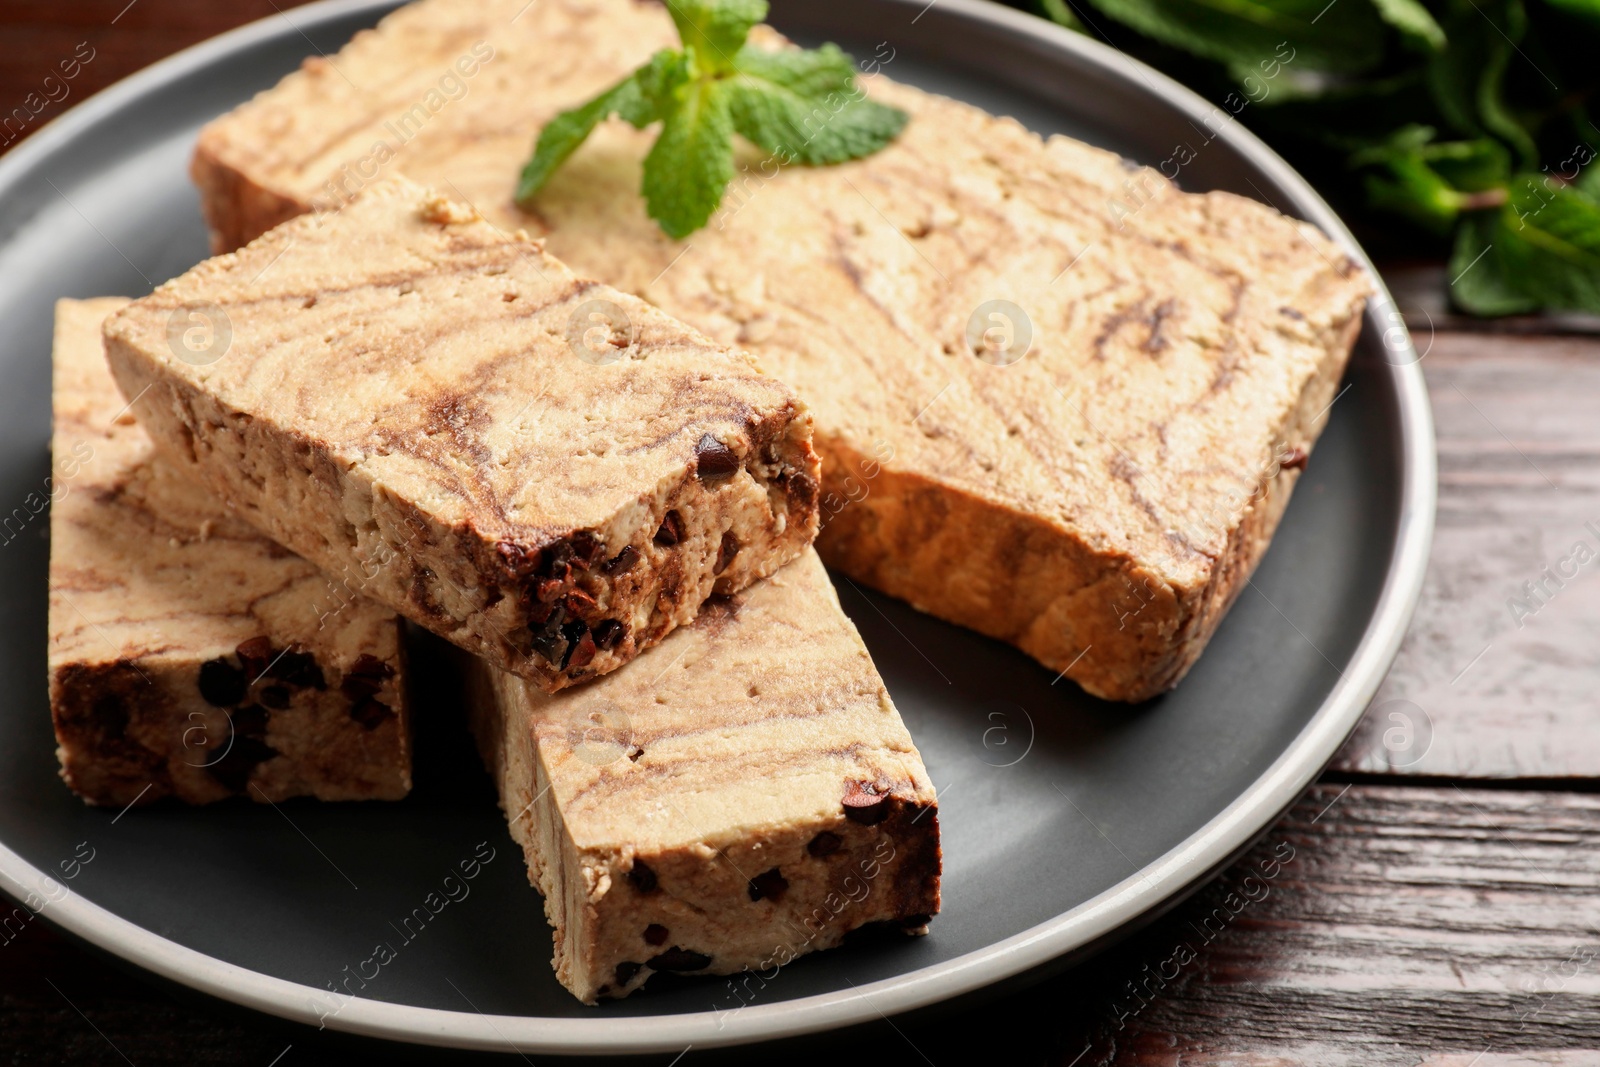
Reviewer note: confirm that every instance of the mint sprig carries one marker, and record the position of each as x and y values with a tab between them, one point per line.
800	105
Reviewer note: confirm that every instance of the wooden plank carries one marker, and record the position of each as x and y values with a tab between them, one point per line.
1374	925
59	54
1497	676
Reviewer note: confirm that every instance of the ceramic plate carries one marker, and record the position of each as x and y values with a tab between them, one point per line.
1065	820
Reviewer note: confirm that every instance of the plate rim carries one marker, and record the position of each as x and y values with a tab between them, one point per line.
1190	861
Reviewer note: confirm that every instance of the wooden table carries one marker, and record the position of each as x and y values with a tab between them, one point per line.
1438	900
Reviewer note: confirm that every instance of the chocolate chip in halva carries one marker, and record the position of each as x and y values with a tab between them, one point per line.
555	562
726	552
580	653
680	959
768	885
359	686
715	462
547	639
655	934
576	632
825	843
232	770
641	877
864	804
586	548
250	721
299	669
370	713
671	530
608	634
254	655
221	684
627	971
578	603
539	614
515	558
621	563
274	696
369	666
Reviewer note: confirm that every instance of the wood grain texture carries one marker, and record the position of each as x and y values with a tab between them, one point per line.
117	36
1495	678
1404	925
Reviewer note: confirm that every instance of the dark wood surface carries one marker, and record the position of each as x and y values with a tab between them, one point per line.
1431	902
1506	693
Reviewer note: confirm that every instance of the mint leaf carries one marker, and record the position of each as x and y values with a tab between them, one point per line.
1415	24
812	72
691	162
1058	12
1542	249
1473	167
715	30
1497	116
1468	77
1550	243
1589	178
1479	284
636	98
1431	182
805	106
801	103
1406	184
657	80
1319	35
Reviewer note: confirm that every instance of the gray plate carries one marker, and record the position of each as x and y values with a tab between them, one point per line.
1065	819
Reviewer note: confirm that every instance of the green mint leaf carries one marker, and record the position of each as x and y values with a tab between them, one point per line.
1058	12
798	130
658	80
1480	166
1549	241
1454	74
1589	177
804	104
1479	284
691	162
1492	105
810	73
563	134
1344	37
1468	77
1430	182
1401	181
1417	27
715	30
805	107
